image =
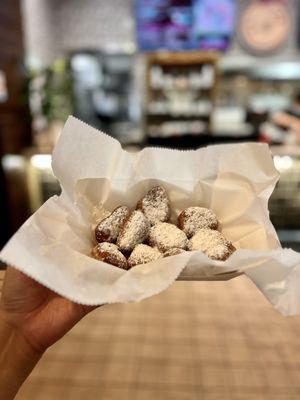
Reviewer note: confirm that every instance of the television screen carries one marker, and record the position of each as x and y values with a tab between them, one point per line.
184	24
163	24
213	23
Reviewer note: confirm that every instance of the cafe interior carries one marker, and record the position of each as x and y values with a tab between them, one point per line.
178	74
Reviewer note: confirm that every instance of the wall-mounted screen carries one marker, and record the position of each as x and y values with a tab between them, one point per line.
184	24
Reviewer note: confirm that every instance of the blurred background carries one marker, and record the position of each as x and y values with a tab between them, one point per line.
171	73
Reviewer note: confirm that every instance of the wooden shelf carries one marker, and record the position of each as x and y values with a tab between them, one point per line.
184	58
180	64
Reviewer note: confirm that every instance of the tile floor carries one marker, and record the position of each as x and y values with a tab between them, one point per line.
197	340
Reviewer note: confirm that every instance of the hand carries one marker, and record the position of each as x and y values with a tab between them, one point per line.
35	312
32	318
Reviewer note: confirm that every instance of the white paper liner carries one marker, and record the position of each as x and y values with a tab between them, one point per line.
235	181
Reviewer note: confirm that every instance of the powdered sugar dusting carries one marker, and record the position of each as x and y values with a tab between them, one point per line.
165	236
109	252
155	205
134	231
109	228
192	219
98	215
143	254
212	243
173	252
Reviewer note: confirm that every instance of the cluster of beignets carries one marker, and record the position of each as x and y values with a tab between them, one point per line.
126	239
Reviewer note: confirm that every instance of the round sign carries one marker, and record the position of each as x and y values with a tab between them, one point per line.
264	26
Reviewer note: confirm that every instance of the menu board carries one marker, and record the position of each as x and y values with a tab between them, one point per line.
184	24
163	24
213	23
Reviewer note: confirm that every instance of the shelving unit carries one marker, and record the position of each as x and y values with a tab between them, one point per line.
181	89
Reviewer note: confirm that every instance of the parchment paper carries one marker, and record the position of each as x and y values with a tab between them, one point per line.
235	181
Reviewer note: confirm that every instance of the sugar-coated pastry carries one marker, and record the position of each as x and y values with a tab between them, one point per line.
109	253
134	231
109	228
126	239
155	205
143	254
212	243
165	236
173	252
192	219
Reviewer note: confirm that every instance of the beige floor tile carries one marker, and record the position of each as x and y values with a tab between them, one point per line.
166	395
41	391
197	340
166	375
